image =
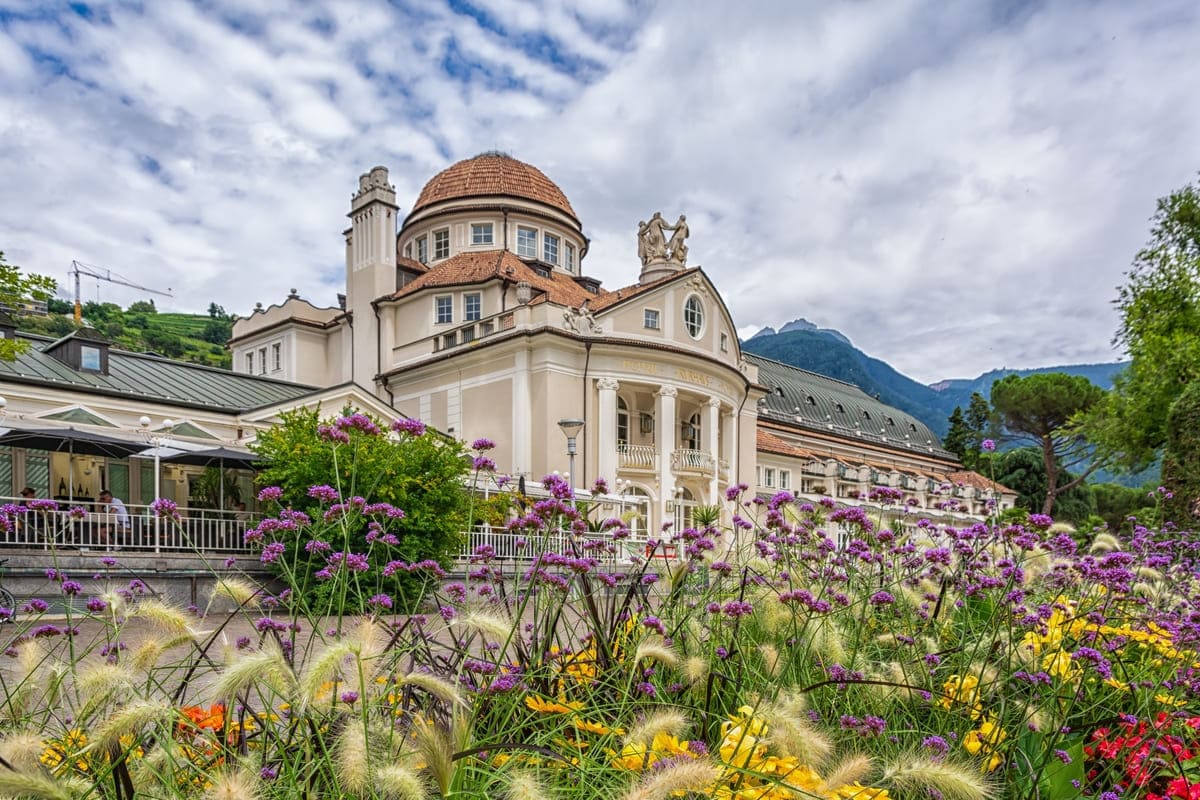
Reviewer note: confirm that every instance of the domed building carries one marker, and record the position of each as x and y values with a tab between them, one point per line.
473	313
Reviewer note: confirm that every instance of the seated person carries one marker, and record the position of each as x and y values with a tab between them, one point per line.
116	519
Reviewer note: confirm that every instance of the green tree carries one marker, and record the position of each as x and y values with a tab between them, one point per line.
1048	410
217	331
57	306
1160	330
958	438
1024	471
217	312
15	290
421	475
1115	504
967	431
143	307
1181	457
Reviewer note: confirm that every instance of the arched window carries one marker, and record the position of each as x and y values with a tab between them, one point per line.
622	421
689	432
693	316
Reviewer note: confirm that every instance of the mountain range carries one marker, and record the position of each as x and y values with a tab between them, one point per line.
829	352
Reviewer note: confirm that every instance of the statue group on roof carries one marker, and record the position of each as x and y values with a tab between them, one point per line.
653	244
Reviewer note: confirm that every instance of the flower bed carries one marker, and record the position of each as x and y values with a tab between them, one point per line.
802	650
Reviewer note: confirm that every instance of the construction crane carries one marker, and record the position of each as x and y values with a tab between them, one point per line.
79	268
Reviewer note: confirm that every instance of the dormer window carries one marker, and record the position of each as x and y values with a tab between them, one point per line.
527	242
441	244
82	350
481	233
89	358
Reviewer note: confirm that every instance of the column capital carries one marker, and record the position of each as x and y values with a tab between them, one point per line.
667	391
607	384
713	402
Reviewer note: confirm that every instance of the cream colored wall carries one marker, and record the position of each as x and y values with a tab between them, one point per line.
487	413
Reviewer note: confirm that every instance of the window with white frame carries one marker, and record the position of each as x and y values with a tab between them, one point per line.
249	363
472	306
527	242
262	361
650	318
569	256
693	316
408	250
724	342
276	357
423	250
785	479
769	477
443	309
550	248
441	244
481	233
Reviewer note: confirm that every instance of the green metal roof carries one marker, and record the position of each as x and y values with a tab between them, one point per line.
149	377
810	400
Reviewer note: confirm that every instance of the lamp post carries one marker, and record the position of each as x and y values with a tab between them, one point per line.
570	428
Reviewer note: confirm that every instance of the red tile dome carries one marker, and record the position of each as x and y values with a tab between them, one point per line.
493	174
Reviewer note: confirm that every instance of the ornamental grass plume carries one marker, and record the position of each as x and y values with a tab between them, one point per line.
792	733
681	777
951	780
266	667
166	618
40	786
670	721
695	669
240	592
437	751
439	687
149	652
131	719
851	769
396	782
770	657
99	682
489	624
524	785
655	648
1104	542
351	758
22	750
315	680
239	784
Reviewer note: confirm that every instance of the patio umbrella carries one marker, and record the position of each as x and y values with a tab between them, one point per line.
71	441
219	457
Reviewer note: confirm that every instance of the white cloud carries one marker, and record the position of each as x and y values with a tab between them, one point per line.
955	187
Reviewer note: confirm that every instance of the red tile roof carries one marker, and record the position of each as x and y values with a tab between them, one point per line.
770	443
491	174
626	292
477	267
975	480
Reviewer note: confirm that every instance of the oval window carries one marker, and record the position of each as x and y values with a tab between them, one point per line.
693	316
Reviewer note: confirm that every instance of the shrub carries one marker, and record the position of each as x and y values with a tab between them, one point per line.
419	475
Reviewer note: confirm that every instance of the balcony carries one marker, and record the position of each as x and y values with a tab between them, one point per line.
694	461
636	456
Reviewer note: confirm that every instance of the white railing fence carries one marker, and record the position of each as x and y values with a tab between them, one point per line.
692	460
637	456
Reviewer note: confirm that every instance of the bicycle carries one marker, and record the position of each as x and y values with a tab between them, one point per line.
7	601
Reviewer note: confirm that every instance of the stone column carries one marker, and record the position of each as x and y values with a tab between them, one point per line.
712	428
664	437
606	439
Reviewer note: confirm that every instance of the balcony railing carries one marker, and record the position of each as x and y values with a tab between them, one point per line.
636	456
197	530
684	460
505	546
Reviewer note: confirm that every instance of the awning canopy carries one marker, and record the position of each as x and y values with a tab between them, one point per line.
70	440
224	457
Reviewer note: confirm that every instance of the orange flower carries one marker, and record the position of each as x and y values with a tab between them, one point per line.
212	718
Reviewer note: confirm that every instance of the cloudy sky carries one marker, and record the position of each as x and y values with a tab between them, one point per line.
955	186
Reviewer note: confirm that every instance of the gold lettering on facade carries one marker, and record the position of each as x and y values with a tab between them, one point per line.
643	367
691	376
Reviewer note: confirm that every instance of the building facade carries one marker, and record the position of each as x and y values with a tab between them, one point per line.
473	313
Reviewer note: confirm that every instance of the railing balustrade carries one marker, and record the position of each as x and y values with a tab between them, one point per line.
636	456
197	530
512	547
692	461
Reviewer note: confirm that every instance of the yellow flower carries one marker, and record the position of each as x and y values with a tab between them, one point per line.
595	727
962	689
984	741
551	707
1060	665
856	791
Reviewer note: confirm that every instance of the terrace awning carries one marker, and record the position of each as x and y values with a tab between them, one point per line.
70	440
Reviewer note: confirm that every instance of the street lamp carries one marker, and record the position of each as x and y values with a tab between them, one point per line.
571	428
